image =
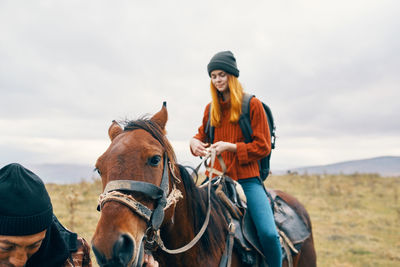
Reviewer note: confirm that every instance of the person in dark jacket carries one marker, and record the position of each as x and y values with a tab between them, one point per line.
30	234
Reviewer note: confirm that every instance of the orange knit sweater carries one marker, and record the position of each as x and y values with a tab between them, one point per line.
242	164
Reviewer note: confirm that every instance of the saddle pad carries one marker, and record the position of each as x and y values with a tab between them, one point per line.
286	218
290	222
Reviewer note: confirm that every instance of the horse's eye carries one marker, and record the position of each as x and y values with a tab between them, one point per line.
98	171
155	160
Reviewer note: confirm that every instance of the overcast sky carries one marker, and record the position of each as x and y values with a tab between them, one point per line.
329	70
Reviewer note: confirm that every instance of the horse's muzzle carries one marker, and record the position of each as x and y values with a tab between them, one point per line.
123	250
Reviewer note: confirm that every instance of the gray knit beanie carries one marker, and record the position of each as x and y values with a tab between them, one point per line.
25	206
225	61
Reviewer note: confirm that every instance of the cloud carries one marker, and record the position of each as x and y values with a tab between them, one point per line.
46	150
329	71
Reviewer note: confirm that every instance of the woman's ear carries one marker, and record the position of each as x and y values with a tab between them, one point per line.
161	117
114	130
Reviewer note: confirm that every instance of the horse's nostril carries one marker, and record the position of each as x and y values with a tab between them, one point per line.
101	259
123	249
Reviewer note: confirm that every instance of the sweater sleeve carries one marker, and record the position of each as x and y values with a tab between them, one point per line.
260	146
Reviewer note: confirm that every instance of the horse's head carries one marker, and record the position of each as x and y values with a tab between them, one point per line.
134	172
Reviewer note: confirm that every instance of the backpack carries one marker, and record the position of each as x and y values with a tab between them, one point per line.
245	126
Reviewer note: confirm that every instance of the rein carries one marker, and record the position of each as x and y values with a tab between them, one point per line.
115	191
206	221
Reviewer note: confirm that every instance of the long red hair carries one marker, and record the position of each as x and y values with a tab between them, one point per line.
236	96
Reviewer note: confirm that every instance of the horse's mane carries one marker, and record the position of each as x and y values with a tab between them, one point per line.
197	198
155	130
198	201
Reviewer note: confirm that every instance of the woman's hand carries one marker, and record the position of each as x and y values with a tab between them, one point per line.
198	148
149	261
222	146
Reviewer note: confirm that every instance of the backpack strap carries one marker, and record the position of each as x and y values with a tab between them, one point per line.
271	124
244	120
209	129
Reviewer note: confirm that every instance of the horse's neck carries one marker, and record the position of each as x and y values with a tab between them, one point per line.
180	229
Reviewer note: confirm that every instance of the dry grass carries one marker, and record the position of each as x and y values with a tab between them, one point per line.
355	218
75	206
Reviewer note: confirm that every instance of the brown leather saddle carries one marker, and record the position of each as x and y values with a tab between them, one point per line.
290	226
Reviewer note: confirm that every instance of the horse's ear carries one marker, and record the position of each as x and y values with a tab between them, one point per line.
161	117
114	130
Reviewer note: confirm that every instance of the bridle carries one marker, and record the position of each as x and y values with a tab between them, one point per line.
116	191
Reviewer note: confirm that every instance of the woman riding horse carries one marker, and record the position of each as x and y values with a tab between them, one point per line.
241	158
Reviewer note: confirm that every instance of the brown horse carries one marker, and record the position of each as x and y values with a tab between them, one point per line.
151	201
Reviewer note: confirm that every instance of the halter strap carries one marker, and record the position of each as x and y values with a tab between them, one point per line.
156	216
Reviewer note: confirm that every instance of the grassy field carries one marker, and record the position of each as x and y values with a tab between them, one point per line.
355	218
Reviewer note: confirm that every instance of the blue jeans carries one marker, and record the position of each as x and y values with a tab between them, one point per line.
261	213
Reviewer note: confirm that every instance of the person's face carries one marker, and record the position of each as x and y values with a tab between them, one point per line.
16	250
219	78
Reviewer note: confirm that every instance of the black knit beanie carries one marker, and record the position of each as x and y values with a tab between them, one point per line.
225	61
25	206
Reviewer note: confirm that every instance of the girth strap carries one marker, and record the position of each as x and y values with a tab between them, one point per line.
226	258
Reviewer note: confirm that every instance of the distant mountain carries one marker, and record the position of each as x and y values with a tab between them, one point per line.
75	173
384	166
64	173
